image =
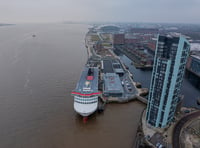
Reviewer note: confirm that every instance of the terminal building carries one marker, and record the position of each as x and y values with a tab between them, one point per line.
112	85
166	81
111	72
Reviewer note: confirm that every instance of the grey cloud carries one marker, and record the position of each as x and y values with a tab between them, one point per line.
100	10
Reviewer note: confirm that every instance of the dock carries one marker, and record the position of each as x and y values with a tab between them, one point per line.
115	80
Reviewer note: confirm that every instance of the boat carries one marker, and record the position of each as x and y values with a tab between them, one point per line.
33	35
86	92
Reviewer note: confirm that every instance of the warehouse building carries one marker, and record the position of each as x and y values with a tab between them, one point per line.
112	85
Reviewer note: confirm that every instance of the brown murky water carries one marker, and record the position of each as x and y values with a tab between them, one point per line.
37	75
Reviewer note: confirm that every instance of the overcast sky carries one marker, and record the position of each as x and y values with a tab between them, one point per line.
28	11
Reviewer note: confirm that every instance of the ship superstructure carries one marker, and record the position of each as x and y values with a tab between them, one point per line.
86	92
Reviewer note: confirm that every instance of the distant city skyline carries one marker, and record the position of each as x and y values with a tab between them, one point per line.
158	11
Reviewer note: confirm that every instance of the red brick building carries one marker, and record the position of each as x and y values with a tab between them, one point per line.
118	39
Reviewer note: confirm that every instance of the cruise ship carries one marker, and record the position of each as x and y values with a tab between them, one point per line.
86	92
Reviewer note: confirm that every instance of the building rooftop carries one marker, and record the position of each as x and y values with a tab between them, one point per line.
111	66
195	46
110	28
117	66
196	56
107	66
112	83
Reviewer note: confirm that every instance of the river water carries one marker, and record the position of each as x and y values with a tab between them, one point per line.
37	75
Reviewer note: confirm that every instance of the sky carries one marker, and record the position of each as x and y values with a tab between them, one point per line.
42	11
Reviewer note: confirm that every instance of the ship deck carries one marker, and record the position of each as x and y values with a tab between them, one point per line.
86	84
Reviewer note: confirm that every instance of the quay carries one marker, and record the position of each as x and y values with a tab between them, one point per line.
115	81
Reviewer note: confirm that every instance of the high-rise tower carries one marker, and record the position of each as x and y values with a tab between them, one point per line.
167	77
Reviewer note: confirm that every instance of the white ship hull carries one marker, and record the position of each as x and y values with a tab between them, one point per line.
85	109
85	106
86	92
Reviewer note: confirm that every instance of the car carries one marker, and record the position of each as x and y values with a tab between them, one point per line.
128	85
158	144
122	83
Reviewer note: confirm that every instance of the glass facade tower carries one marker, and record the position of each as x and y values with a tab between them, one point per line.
167	77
